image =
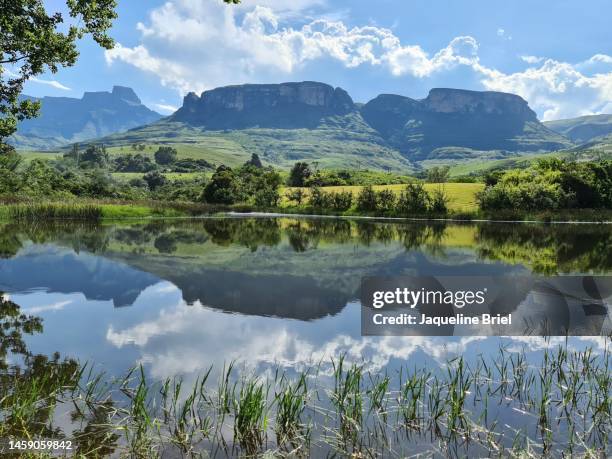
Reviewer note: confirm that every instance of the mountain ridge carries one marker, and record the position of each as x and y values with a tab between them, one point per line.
65	120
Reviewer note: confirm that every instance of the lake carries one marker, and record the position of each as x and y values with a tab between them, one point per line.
271	294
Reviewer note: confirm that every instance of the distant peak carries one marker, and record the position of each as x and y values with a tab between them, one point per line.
125	93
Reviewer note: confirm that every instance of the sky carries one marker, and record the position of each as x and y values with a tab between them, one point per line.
555	54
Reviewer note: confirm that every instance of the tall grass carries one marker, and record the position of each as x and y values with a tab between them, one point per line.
494	407
54	211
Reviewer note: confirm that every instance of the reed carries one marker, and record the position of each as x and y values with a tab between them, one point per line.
564	402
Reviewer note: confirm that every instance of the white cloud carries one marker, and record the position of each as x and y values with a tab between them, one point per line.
165	109
193	45
197	44
555	89
53	83
532	59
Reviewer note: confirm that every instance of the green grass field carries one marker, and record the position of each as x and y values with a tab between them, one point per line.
215	150
30	155
462	196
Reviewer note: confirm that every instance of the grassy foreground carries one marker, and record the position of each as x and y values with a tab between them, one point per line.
497	406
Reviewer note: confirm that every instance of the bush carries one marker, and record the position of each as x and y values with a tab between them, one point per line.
386	200
154	180
299	174
439	202
341	201
166	155
223	187
318	198
413	200
367	199
297	195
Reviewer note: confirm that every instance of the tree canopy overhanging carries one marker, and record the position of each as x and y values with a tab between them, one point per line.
34	40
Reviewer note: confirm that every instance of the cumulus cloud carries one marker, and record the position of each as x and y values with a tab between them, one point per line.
193	45
554	89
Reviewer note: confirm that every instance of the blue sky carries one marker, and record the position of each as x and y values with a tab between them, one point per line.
556	54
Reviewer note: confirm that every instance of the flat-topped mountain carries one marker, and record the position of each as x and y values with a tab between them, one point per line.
310	121
64	120
457	118
285	105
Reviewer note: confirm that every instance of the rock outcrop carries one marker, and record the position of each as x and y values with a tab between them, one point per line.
456	118
285	105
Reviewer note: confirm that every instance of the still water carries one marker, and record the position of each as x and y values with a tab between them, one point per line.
179	296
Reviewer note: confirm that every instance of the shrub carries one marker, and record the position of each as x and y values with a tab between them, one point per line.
154	180
439	202
297	195
299	174
367	199
413	200
166	155
318	198
386	200
341	201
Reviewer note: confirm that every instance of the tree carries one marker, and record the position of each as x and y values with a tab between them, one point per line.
34	41
223	187
94	156
254	161
438	174
166	155
300	173
154	180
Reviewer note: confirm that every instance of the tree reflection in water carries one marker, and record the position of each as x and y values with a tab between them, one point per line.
33	386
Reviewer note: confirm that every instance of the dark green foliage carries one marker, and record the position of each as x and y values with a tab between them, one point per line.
414	200
154	180
551	184
190	165
341	201
439	202
297	195
223	187
319	199
438	174
367	200
37	41
165	155
299	174
133	163
386	200
94	156
254	161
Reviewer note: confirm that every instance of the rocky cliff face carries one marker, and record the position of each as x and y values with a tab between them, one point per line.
443	100
64	120
286	105
459	118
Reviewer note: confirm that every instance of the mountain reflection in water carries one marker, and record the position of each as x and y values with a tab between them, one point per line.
181	277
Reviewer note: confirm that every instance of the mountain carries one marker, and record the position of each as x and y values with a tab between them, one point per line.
65	120
584	128
315	122
453	121
285	105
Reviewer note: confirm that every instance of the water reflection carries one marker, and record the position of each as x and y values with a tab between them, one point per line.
182	277
180	296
